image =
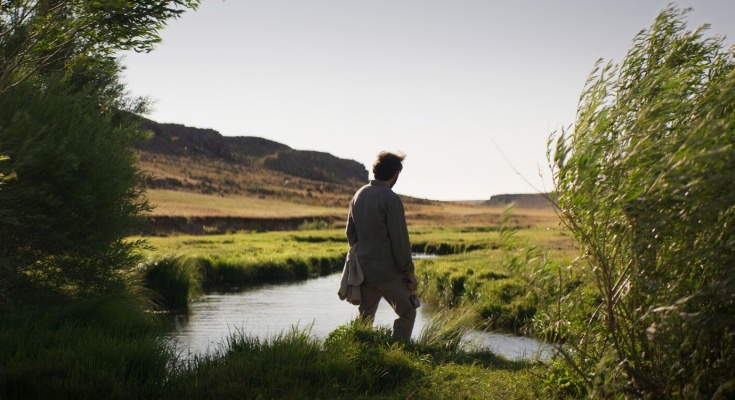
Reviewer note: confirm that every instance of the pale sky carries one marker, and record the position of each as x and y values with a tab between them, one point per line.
457	85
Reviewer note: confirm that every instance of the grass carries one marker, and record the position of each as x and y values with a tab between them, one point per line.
178	266
355	361
169	202
474	273
97	348
174	280
112	348
257	246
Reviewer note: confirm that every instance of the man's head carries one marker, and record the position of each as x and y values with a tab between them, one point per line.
387	166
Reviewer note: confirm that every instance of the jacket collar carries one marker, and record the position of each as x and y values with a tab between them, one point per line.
375	182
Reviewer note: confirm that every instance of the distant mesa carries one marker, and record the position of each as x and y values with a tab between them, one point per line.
203	160
522	200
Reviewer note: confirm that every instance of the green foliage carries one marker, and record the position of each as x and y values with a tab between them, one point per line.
495	280
253	246
71	186
38	38
644	182
479	280
75	188
508	303
354	362
445	330
175	280
445	248
106	347
315	225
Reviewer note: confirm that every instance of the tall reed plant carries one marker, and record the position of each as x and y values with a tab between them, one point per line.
644	183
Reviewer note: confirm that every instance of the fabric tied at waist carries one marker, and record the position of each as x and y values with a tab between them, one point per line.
352	277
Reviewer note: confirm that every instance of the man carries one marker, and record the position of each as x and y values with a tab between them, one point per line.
377	223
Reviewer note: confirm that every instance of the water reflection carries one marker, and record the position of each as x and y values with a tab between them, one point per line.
268	310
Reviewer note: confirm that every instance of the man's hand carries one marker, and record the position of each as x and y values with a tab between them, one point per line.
411	280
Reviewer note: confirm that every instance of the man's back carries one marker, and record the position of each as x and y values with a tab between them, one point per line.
377	221
377	226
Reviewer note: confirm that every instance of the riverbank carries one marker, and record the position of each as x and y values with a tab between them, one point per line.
110	348
267	310
114	348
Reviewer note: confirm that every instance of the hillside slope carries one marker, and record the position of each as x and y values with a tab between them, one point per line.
203	182
197	160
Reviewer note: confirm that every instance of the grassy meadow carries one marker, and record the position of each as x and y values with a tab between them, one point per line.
113	347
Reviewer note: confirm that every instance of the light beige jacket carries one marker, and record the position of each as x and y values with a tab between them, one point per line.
352	277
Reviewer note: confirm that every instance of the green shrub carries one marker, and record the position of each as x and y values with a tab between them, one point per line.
644	183
75	189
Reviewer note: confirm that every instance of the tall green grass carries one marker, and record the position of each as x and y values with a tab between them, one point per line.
177	280
480	281
112	348
174	280
355	361
106	347
497	280
645	184
245	259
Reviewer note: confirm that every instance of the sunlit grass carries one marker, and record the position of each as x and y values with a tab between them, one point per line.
246	245
474	270
355	361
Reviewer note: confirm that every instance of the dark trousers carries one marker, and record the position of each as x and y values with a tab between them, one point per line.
396	293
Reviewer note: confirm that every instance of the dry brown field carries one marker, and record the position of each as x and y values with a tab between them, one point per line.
419	212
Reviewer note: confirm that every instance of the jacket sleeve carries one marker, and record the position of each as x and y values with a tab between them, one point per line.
398	232
350	231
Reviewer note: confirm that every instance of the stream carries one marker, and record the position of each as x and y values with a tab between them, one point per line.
268	310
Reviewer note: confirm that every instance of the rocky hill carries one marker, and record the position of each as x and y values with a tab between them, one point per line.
204	161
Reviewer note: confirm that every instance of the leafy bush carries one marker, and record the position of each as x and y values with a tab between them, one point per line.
72	189
645	183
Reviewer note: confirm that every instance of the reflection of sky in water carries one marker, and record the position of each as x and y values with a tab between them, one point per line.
313	304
